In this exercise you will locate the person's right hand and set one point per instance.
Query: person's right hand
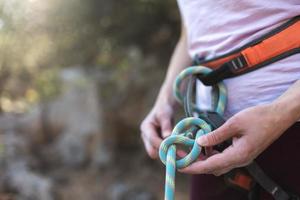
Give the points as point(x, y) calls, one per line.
point(157, 125)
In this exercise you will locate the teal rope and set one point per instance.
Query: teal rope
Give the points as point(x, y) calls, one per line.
point(183, 132)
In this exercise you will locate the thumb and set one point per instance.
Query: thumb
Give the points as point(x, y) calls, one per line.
point(217, 136)
point(166, 127)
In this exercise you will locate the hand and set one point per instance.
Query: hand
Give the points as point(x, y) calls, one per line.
point(252, 131)
point(157, 125)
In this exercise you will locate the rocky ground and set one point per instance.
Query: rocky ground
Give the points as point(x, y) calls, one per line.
point(78, 147)
point(132, 177)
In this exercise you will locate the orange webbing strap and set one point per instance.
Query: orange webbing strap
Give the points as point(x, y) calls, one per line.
point(240, 179)
point(282, 42)
point(214, 64)
point(271, 47)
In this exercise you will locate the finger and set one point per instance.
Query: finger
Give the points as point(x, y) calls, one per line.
point(181, 153)
point(151, 151)
point(202, 157)
point(208, 151)
point(221, 172)
point(151, 135)
point(217, 162)
point(166, 127)
point(226, 131)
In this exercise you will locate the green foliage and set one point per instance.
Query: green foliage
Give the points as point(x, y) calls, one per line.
point(48, 84)
point(36, 36)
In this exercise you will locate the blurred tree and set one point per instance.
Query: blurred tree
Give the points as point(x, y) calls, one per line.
point(39, 37)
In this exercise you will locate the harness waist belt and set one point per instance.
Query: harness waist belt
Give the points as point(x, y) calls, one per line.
point(271, 47)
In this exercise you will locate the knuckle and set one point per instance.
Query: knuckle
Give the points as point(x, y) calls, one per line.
point(167, 121)
point(243, 156)
point(152, 153)
point(234, 123)
point(205, 170)
point(221, 172)
point(148, 120)
point(162, 114)
point(226, 165)
point(145, 126)
point(212, 138)
point(240, 157)
point(246, 151)
point(217, 173)
point(142, 125)
point(152, 141)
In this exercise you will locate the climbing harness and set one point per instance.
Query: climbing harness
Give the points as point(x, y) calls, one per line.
point(273, 46)
point(278, 44)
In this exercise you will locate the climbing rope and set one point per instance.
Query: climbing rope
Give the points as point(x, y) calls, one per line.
point(188, 129)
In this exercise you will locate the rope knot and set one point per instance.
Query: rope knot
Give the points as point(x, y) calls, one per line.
point(183, 134)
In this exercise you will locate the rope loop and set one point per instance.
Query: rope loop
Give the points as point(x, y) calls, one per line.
point(183, 134)
point(219, 92)
point(188, 129)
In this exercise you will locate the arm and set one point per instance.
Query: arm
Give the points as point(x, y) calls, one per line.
point(179, 60)
point(252, 130)
point(161, 115)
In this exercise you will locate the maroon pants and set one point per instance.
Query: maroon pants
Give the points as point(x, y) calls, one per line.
point(281, 162)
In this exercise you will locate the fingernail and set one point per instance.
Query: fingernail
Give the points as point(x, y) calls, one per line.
point(166, 134)
point(202, 141)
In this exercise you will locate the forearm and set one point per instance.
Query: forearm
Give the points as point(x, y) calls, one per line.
point(287, 106)
point(180, 59)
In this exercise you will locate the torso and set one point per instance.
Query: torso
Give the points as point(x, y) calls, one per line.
point(219, 26)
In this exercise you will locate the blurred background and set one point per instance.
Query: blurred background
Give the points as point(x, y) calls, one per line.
point(76, 79)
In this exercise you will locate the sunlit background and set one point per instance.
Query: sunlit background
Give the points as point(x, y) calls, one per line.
point(76, 79)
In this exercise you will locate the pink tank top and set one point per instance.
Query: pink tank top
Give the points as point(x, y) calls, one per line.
point(215, 27)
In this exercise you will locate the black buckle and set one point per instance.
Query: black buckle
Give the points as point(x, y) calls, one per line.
point(237, 63)
point(215, 120)
point(216, 75)
point(227, 70)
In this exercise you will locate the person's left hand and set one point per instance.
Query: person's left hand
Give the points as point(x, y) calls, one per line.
point(252, 131)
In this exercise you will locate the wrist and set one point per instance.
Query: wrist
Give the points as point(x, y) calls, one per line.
point(285, 112)
point(166, 95)
point(288, 104)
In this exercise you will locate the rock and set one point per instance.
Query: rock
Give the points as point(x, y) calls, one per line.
point(27, 184)
point(15, 149)
point(16, 173)
point(8, 122)
point(70, 128)
point(118, 190)
point(121, 191)
point(72, 149)
point(66, 130)
point(83, 125)
point(78, 114)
